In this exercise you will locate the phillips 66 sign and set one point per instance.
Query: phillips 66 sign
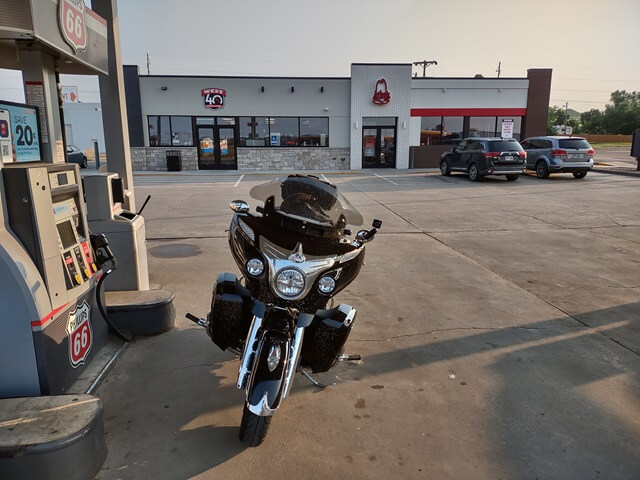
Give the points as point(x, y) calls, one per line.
point(80, 334)
point(72, 24)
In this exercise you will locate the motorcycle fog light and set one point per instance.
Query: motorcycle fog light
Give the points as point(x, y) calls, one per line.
point(326, 284)
point(255, 267)
point(273, 359)
point(290, 283)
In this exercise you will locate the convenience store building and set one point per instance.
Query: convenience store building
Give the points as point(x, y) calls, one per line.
point(379, 117)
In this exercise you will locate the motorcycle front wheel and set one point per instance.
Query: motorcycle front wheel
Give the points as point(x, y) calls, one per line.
point(253, 428)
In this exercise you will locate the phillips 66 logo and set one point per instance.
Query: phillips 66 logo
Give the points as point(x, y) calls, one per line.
point(80, 334)
point(214, 98)
point(72, 25)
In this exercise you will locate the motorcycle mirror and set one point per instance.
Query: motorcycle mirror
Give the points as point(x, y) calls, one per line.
point(239, 206)
point(361, 236)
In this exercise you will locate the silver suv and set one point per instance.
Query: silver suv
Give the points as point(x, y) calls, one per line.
point(546, 155)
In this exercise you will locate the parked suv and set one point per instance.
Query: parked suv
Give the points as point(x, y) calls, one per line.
point(558, 154)
point(477, 157)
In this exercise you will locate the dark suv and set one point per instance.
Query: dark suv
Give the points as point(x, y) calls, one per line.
point(559, 155)
point(478, 157)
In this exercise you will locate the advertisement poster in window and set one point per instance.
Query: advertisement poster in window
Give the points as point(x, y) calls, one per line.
point(206, 145)
point(370, 146)
point(507, 128)
point(275, 139)
point(224, 147)
point(6, 149)
point(23, 125)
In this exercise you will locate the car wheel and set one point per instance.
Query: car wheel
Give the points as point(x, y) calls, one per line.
point(512, 178)
point(84, 163)
point(474, 174)
point(541, 169)
point(444, 168)
point(579, 174)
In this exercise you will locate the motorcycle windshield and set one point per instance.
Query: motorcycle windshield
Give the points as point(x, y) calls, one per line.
point(309, 199)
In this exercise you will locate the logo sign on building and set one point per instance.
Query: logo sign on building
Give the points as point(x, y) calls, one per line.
point(80, 334)
point(381, 95)
point(69, 94)
point(213, 98)
point(507, 128)
point(71, 20)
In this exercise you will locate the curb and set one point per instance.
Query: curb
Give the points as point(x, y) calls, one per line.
point(628, 173)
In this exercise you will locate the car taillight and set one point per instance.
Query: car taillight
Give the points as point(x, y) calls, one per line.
point(523, 154)
point(591, 152)
point(491, 154)
point(559, 153)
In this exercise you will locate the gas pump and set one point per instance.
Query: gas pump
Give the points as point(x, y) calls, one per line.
point(51, 326)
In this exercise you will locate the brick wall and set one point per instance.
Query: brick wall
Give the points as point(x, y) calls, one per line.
point(155, 158)
point(252, 159)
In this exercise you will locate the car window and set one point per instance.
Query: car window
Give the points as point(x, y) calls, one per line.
point(504, 146)
point(526, 144)
point(460, 146)
point(546, 144)
point(473, 145)
point(574, 143)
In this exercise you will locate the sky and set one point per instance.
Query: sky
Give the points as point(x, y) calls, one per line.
point(590, 45)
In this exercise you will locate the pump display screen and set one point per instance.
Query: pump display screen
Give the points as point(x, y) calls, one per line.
point(62, 179)
point(65, 230)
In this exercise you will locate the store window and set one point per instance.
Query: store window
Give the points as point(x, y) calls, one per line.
point(482, 126)
point(166, 131)
point(283, 131)
point(314, 132)
point(181, 132)
point(452, 130)
point(254, 131)
point(430, 130)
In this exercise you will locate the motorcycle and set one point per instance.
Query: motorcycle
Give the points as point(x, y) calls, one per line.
point(295, 254)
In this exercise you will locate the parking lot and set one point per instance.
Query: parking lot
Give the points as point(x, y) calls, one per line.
point(499, 325)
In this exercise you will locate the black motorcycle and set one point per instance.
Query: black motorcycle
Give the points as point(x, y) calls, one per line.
point(295, 254)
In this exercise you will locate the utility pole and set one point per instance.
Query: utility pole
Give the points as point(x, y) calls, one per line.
point(148, 65)
point(498, 69)
point(425, 64)
point(566, 116)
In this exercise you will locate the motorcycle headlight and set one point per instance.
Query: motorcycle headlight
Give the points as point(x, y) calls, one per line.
point(255, 267)
point(326, 284)
point(290, 283)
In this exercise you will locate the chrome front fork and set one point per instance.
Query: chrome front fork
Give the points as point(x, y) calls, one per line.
point(249, 354)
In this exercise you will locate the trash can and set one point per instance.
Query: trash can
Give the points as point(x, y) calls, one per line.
point(174, 161)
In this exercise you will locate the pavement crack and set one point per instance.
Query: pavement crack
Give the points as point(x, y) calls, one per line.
point(439, 330)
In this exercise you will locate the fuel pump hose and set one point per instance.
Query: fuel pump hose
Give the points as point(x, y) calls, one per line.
point(103, 310)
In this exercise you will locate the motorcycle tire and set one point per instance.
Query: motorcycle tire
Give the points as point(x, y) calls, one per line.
point(253, 428)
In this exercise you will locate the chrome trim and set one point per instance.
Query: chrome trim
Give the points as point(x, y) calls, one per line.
point(247, 229)
point(294, 357)
point(350, 313)
point(508, 172)
point(262, 408)
point(278, 259)
point(248, 353)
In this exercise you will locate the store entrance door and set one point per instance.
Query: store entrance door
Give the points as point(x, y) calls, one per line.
point(379, 147)
point(216, 148)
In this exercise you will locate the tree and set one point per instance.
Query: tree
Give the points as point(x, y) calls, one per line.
point(622, 115)
point(591, 121)
point(557, 116)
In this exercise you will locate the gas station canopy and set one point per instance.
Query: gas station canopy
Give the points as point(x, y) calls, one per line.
point(77, 40)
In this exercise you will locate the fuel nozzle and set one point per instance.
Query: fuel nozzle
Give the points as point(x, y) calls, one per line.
point(104, 254)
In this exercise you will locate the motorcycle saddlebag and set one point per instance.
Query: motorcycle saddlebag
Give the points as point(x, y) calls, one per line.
point(230, 315)
point(324, 339)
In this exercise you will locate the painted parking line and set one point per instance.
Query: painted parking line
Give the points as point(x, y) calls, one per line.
point(385, 178)
point(239, 180)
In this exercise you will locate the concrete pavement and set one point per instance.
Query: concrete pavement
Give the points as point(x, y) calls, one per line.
point(499, 325)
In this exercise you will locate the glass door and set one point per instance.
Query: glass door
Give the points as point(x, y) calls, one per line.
point(379, 147)
point(206, 150)
point(216, 147)
point(227, 148)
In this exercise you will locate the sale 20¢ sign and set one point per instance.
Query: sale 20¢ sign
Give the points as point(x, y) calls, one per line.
point(72, 24)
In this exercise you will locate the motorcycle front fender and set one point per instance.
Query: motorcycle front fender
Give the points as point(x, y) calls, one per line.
point(266, 386)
